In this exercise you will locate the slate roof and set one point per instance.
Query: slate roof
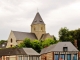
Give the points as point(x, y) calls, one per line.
point(23, 35)
point(18, 51)
point(38, 19)
point(59, 47)
point(11, 51)
point(47, 49)
point(30, 51)
point(44, 36)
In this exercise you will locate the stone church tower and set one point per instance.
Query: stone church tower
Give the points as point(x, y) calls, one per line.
point(38, 26)
point(38, 32)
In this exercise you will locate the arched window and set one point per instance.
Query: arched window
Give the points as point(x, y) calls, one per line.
point(11, 40)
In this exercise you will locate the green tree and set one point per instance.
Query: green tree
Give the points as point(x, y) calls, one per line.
point(63, 34)
point(21, 45)
point(47, 42)
point(25, 43)
point(2, 41)
point(77, 37)
point(36, 45)
point(77, 34)
point(66, 35)
point(72, 36)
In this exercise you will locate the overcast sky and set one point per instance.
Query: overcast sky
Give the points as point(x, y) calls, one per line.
point(18, 15)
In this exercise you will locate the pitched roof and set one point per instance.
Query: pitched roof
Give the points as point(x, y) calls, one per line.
point(46, 35)
point(23, 35)
point(18, 51)
point(11, 51)
point(59, 47)
point(38, 19)
point(47, 49)
point(30, 51)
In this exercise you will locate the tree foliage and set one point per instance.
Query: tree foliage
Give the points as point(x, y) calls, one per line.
point(66, 35)
point(47, 42)
point(37, 44)
point(63, 34)
point(25, 43)
point(2, 41)
point(70, 35)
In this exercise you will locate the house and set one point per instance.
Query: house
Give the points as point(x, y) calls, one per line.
point(60, 51)
point(38, 31)
point(19, 54)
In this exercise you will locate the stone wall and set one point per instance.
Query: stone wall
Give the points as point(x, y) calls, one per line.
point(13, 43)
point(38, 29)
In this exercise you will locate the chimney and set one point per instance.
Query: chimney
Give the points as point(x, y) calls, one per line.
point(75, 43)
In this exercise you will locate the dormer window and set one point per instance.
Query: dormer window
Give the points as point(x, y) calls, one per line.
point(65, 49)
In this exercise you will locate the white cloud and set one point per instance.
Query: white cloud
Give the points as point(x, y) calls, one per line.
point(18, 15)
point(64, 14)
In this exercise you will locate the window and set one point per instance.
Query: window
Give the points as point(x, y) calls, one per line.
point(11, 40)
point(56, 57)
point(75, 57)
point(34, 58)
point(25, 57)
point(68, 56)
point(62, 57)
point(31, 58)
point(65, 49)
point(20, 57)
point(37, 58)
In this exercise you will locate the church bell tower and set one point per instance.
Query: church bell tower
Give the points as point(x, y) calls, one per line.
point(38, 26)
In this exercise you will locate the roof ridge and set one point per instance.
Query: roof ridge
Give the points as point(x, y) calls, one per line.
point(20, 31)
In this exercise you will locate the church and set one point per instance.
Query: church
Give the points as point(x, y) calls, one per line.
point(38, 32)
